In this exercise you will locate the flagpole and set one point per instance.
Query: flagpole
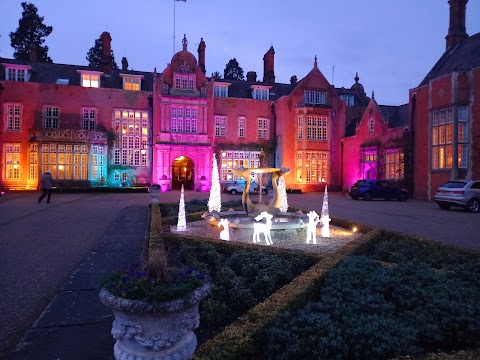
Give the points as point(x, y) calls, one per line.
point(174, 1)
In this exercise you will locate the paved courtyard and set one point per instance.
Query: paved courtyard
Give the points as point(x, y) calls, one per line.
point(42, 246)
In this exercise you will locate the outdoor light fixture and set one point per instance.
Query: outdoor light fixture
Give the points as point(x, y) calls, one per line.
point(354, 229)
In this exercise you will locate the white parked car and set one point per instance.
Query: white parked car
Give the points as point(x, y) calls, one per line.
point(237, 188)
point(462, 193)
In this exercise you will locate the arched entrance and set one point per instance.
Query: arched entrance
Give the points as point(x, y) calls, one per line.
point(182, 173)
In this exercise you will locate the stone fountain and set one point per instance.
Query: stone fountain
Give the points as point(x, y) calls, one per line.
point(284, 225)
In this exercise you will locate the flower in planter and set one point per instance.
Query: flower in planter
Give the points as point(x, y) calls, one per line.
point(155, 309)
point(153, 282)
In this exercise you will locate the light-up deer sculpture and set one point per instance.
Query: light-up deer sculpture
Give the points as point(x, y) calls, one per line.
point(224, 234)
point(263, 228)
point(312, 227)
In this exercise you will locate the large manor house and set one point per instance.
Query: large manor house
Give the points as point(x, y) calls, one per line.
point(119, 127)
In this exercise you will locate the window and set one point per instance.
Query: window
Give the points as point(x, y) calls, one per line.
point(300, 128)
point(12, 161)
point(65, 161)
point(220, 91)
point(241, 127)
point(220, 125)
point(184, 81)
point(315, 97)
point(16, 75)
point(191, 119)
point(51, 116)
point(369, 155)
point(89, 118)
point(132, 83)
point(33, 160)
point(316, 127)
point(349, 99)
point(234, 159)
point(261, 94)
point(462, 136)
point(16, 72)
point(263, 128)
point(394, 164)
point(299, 166)
point(131, 145)
point(90, 79)
point(13, 113)
point(97, 162)
point(442, 138)
point(371, 124)
point(315, 164)
point(184, 119)
point(164, 91)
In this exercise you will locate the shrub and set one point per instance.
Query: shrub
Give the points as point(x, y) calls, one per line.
point(406, 298)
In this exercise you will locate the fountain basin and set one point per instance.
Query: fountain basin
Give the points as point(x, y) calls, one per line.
point(285, 226)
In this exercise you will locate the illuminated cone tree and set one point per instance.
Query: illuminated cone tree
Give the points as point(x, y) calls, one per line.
point(215, 200)
point(182, 222)
point(282, 191)
point(325, 218)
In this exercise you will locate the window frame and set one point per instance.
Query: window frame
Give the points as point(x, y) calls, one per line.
point(263, 128)
point(51, 117)
point(13, 116)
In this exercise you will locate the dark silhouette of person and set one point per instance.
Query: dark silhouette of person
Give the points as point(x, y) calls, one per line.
point(46, 184)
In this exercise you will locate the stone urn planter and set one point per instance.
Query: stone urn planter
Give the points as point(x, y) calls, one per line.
point(154, 192)
point(155, 331)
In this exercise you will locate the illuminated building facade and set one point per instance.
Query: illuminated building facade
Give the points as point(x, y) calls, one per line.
point(117, 127)
point(445, 112)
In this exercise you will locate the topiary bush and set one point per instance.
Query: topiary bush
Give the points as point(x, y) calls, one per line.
point(407, 297)
point(240, 279)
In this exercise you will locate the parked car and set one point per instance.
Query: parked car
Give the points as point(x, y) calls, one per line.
point(371, 189)
point(237, 188)
point(462, 193)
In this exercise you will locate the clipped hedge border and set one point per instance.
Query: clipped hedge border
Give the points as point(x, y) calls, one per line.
point(247, 335)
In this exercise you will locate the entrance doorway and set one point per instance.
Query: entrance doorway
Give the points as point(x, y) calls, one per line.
point(182, 173)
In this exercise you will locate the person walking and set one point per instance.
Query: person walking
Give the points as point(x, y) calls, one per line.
point(46, 184)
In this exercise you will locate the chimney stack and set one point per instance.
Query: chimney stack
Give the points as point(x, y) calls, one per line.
point(201, 55)
point(106, 61)
point(293, 80)
point(124, 64)
point(456, 31)
point(268, 65)
point(33, 52)
point(251, 76)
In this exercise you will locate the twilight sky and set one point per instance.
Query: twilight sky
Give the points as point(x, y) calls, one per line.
point(391, 43)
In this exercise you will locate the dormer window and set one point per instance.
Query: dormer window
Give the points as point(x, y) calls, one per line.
point(260, 92)
point(185, 81)
point(132, 82)
point(220, 90)
point(14, 72)
point(165, 89)
point(349, 99)
point(315, 97)
point(90, 78)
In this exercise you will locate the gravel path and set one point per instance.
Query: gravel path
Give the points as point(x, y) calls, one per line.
point(338, 238)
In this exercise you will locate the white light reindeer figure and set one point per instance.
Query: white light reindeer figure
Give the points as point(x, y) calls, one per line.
point(224, 234)
point(263, 228)
point(312, 227)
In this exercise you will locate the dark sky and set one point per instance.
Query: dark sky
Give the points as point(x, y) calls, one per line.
point(391, 43)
